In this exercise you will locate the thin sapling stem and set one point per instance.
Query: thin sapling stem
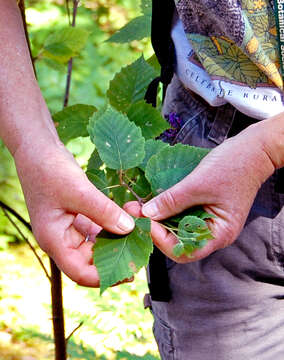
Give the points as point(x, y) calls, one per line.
point(129, 188)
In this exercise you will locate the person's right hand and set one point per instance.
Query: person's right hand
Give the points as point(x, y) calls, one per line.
point(65, 207)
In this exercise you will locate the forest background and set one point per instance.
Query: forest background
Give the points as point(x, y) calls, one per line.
point(114, 326)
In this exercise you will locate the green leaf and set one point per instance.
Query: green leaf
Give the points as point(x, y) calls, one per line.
point(193, 234)
point(72, 121)
point(153, 61)
point(146, 7)
point(142, 187)
point(152, 147)
point(95, 162)
point(192, 224)
point(148, 119)
point(190, 229)
point(98, 178)
point(96, 175)
point(178, 249)
point(135, 179)
point(194, 211)
point(130, 84)
point(120, 257)
point(54, 65)
point(171, 165)
point(64, 44)
point(118, 141)
point(118, 193)
point(136, 29)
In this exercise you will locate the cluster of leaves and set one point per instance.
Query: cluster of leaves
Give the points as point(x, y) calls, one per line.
point(143, 168)
point(95, 59)
point(129, 164)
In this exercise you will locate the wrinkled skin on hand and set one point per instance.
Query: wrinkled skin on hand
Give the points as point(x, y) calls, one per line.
point(64, 208)
point(225, 182)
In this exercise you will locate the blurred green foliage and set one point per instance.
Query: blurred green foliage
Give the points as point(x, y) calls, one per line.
point(93, 67)
point(10, 194)
point(117, 322)
point(97, 62)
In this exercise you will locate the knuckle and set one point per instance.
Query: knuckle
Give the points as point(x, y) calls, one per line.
point(108, 210)
point(168, 200)
point(82, 192)
point(227, 236)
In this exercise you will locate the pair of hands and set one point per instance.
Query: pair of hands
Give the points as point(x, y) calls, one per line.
point(65, 207)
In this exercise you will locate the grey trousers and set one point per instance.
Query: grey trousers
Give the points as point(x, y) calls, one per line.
point(230, 305)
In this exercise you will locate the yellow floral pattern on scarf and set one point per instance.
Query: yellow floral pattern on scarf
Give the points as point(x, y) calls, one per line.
point(255, 60)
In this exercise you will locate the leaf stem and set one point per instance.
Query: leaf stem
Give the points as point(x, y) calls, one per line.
point(171, 231)
point(174, 231)
point(129, 188)
point(111, 187)
point(170, 228)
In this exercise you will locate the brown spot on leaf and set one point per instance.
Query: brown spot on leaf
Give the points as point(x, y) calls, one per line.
point(132, 266)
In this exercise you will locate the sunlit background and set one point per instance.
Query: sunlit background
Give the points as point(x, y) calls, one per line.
point(115, 326)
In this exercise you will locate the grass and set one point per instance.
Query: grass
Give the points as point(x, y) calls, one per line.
point(115, 325)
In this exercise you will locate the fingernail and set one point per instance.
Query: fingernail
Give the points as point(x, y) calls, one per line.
point(150, 209)
point(125, 223)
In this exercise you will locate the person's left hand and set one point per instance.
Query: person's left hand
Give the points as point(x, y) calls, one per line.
point(225, 183)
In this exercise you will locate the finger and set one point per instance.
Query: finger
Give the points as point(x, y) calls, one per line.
point(86, 227)
point(133, 208)
point(74, 257)
point(166, 241)
point(67, 247)
point(92, 203)
point(163, 239)
point(179, 197)
point(77, 265)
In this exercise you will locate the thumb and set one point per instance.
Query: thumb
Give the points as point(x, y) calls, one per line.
point(91, 202)
point(183, 195)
